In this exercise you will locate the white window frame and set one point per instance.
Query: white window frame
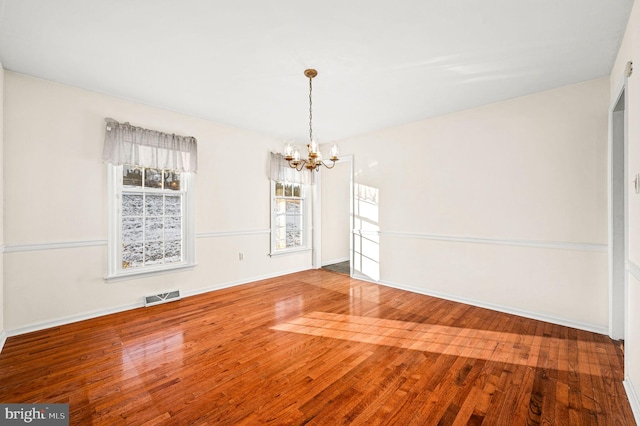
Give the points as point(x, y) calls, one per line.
point(114, 242)
point(306, 220)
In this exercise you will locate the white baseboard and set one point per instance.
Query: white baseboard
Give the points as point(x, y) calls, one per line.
point(508, 310)
point(95, 314)
point(3, 339)
point(71, 319)
point(634, 400)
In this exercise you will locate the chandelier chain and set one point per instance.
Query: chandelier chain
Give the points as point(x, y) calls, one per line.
point(310, 111)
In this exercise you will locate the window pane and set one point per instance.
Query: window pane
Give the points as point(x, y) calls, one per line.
point(153, 229)
point(281, 233)
point(294, 223)
point(294, 206)
point(153, 178)
point(294, 239)
point(131, 176)
point(172, 228)
point(132, 255)
point(132, 229)
point(153, 205)
point(280, 205)
point(281, 221)
point(288, 190)
point(172, 180)
point(281, 241)
point(132, 204)
point(153, 253)
point(172, 205)
point(172, 251)
point(296, 190)
point(279, 189)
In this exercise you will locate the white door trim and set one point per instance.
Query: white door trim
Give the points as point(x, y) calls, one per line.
point(618, 231)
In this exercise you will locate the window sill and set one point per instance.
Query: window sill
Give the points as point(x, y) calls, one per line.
point(288, 252)
point(123, 276)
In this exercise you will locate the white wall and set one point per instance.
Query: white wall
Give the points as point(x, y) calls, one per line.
point(55, 192)
point(335, 221)
point(502, 206)
point(629, 50)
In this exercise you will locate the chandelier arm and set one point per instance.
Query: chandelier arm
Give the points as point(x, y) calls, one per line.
point(295, 165)
point(329, 167)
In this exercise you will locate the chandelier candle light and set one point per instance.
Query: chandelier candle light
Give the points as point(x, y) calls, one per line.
point(314, 157)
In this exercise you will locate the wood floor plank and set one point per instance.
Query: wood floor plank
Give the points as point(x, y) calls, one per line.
point(318, 348)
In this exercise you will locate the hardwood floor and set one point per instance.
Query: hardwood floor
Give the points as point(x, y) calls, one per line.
point(318, 348)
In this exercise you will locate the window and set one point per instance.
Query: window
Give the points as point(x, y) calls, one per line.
point(289, 217)
point(152, 226)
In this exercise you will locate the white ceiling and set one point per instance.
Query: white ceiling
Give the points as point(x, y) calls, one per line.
point(380, 62)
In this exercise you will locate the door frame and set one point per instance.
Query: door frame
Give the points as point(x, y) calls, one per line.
point(618, 220)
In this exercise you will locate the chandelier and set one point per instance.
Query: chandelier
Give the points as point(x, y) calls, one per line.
point(314, 157)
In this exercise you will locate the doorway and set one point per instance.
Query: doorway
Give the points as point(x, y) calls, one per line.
point(335, 217)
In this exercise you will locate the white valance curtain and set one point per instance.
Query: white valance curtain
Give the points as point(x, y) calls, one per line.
point(281, 172)
point(127, 144)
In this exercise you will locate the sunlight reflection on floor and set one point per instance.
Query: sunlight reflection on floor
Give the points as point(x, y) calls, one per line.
point(465, 342)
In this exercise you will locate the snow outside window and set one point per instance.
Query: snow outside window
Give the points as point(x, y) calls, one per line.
point(151, 227)
point(289, 217)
